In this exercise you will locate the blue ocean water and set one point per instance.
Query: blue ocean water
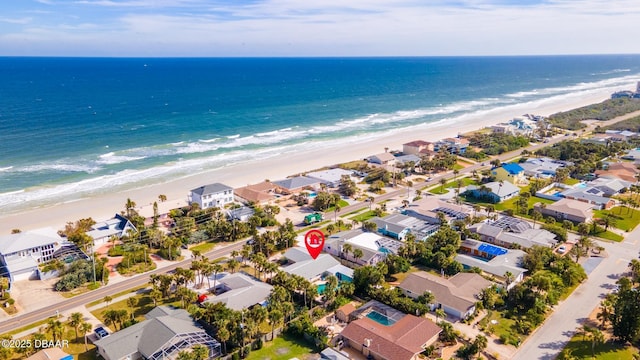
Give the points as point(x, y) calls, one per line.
point(72, 126)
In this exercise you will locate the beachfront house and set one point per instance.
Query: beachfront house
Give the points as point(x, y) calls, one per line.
point(510, 172)
point(261, 193)
point(493, 192)
point(21, 253)
point(212, 195)
point(384, 333)
point(567, 209)
point(384, 158)
point(118, 226)
point(296, 184)
point(456, 295)
point(415, 147)
point(165, 333)
point(453, 145)
point(331, 177)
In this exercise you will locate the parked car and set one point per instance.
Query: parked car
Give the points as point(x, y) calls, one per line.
point(562, 249)
point(101, 332)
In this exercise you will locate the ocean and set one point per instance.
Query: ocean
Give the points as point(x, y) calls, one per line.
point(76, 127)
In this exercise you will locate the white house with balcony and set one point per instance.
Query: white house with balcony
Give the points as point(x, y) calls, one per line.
point(212, 195)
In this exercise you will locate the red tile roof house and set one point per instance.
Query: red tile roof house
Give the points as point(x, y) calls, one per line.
point(415, 147)
point(403, 339)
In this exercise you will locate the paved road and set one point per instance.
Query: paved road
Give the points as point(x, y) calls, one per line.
point(48, 311)
point(558, 329)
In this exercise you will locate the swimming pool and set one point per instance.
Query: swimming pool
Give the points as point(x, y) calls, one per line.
point(380, 318)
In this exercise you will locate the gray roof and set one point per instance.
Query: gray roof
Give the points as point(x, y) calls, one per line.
point(590, 194)
point(332, 354)
point(529, 237)
point(296, 254)
point(150, 335)
point(114, 226)
point(243, 292)
point(609, 185)
point(397, 222)
point(507, 188)
point(28, 240)
point(486, 229)
point(296, 182)
point(311, 268)
point(211, 189)
point(407, 158)
point(330, 176)
point(458, 292)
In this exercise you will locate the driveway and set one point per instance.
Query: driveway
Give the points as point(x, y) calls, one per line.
point(558, 329)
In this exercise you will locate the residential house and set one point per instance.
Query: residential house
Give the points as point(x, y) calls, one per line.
point(21, 253)
point(239, 291)
point(621, 170)
point(598, 139)
point(633, 154)
point(242, 213)
point(212, 195)
point(542, 167)
point(374, 247)
point(331, 177)
point(384, 158)
point(118, 226)
point(51, 353)
point(427, 209)
point(333, 354)
point(344, 312)
point(398, 226)
point(590, 195)
point(407, 159)
point(383, 333)
point(493, 192)
point(503, 129)
point(302, 264)
point(415, 147)
point(261, 193)
point(492, 259)
point(567, 209)
point(510, 172)
point(164, 333)
point(453, 145)
point(456, 295)
point(502, 235)
point(610, 186)
point(621, 135)
point(296, 184)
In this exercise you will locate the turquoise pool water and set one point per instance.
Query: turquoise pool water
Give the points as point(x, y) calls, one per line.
point(321, 288)
point(380, 319)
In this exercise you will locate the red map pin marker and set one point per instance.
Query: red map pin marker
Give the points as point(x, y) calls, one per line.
point(314, 240)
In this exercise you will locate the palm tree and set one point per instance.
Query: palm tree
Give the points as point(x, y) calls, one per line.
point(85, 328)
point(56, 328)
point(346, 249)
point(75, 320)
point(107, 299)
point(480, 343)
point(223, 336)
point(199, 352)
point(536, 215)
point(357, 254)
point(131, 303)
point(275, 317)
point(508, 278)
point(129, 206)
point(606, 311)
point(440, 314)
point(442, 181)
point(370, 199)
point(216, 269)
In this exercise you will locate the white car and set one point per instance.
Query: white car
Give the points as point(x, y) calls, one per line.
point(562, 249)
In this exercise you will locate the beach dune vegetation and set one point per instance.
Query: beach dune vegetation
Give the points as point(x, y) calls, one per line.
point(606, 110)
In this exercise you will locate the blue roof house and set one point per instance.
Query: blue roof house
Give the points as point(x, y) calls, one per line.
point(510, 172)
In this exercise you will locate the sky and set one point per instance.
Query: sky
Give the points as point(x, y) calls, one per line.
point(218, 28)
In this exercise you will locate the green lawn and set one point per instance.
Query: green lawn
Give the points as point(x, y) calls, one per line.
point(626, 218)
point(457, 167)
point(282, 348)
point(204, 247)
point(366, 216)
point(609, 236)
point(145, 304)
point(503, 327)
point(571, 181)
point(341, 203)
point(607, 351)
point(511, 203)
point(466, 181)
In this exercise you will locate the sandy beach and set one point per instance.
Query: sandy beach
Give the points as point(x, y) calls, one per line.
point(105, 206)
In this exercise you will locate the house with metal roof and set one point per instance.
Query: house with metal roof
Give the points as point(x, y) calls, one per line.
point(302, 264)
point(491, 233)
point(374, 246)
point(492, 259)
point(118, 226)
point(542, 167)
point(164, 333)
point(241, 214)
point(510, 172)
point(427, 209)
point(330, 177)
point(383, 333)
point(239, 291)
point(212, 195)
point(456, 295)
point(590, 195)
point(609, 186)
point(21, 253)
point(398, 226)
point(493, 192)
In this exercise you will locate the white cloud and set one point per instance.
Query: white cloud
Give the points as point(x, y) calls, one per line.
point(338, 27)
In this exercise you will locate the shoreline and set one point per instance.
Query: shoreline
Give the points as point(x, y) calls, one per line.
point(104, 206)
